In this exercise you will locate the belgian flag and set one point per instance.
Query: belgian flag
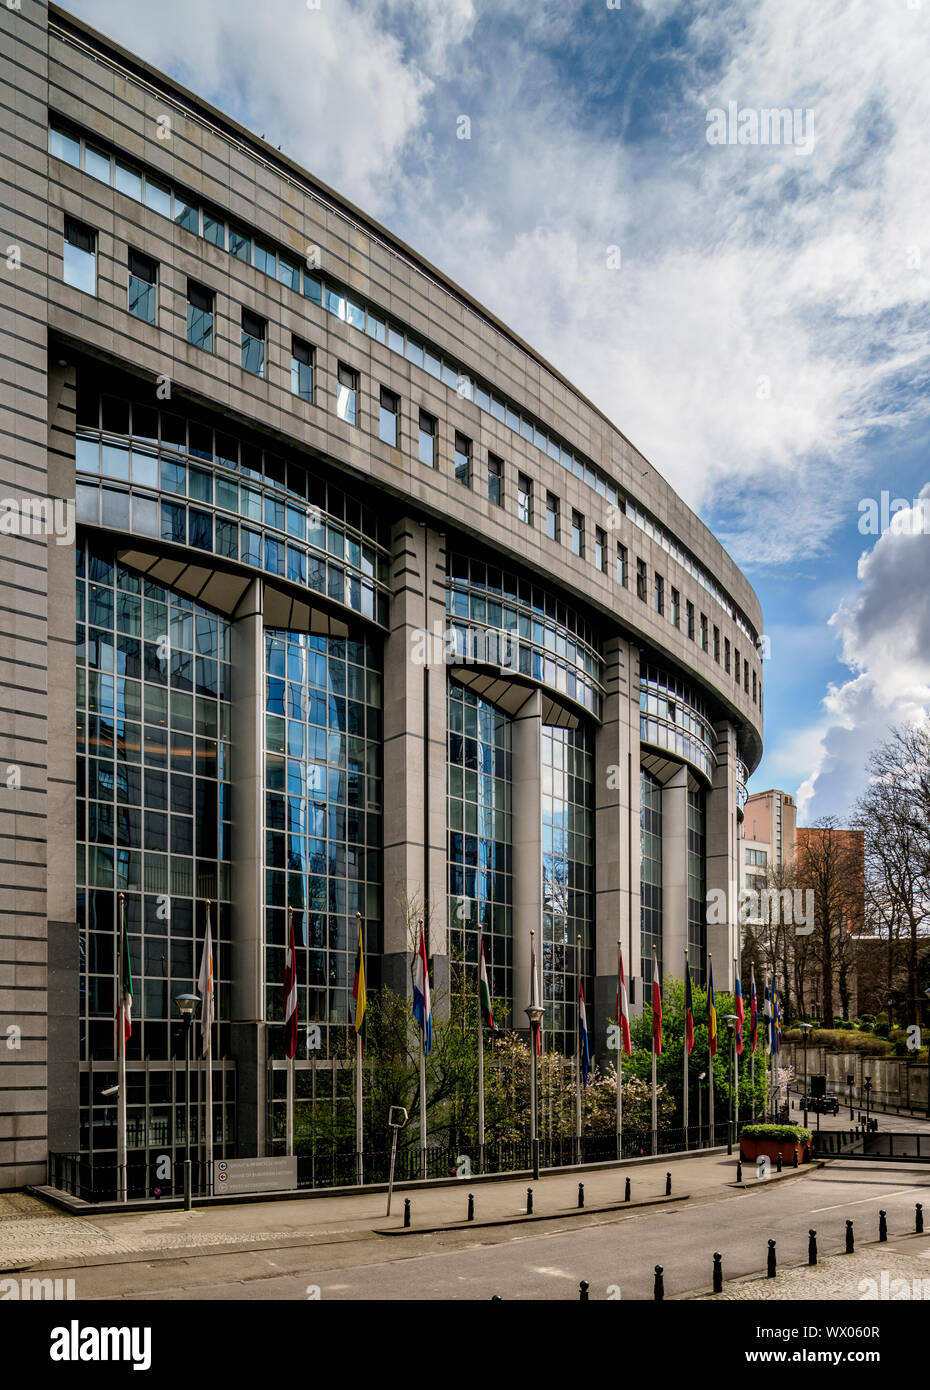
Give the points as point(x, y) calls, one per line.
point(358, 988)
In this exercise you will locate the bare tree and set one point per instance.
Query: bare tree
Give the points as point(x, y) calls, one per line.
point(829, 862)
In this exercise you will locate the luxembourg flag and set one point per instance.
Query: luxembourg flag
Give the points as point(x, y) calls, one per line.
point(740, 1016)
point(422, 1011)
point(584, 1051)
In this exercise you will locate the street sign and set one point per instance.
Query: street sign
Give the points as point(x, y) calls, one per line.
point(254, 1174)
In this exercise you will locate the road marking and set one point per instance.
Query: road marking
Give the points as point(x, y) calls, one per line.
point(879, 1197)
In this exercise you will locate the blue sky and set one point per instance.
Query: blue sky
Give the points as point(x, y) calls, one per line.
point(764, 340)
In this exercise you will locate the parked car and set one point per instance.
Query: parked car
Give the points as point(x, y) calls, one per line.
point(826, 1105)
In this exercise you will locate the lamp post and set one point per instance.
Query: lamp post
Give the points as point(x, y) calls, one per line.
point(187, 1008)
point(701, 1079)
point(805, 1030)
point(731, 1021)
point(534, 1013)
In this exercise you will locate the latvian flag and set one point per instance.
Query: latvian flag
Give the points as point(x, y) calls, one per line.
point(656, 1006)
point(124, 1006)
point(422, 1010)
point(584, 1051)
point(289, 994)
point(740, 1015)
point(484, 990)
point(623, 1006)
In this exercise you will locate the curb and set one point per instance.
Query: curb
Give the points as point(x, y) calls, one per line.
point(760, 1183)
point(521, 1219)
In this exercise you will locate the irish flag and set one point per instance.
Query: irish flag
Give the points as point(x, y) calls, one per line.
point(484, 990)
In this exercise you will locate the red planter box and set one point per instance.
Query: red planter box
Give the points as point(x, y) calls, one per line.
point(752, 1149)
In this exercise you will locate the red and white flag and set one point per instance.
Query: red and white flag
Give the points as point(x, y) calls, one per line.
point(623, 1006)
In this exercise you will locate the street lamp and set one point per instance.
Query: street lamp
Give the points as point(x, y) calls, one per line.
point(731, 1021)
point(187, 1008)
point(805, 1030)
point(534, 1013)
point(701, 1078)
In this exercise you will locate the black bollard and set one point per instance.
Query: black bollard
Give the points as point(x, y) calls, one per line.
point(626, 1193)
point(778, 1164)
point(882, 1226)
point(668, 1184)
point(739, 1170)
point(795, 1162)
point(471, 1206)
point(771, 1260)
point(406, 1211)
point(850, 1241)
point(812, 1247)
point(496, 1298)
point(583, 1291)
point(919, 1223)
point(658, 1288)
point(718, 1273)
point(581, 1194)
point(529, 1201)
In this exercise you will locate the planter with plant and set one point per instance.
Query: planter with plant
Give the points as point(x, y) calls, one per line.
point(768, 1141)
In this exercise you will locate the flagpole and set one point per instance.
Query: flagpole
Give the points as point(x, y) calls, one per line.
point(422, 1081)
point(578, 1158)
point(359, 1125)
point(655, 1108)
point(736, 1049)
point(684, 1107)
point(480, 1064)
point(121, 1056)
point(209, 1065)
point(289, 1117)
point(619, 1053)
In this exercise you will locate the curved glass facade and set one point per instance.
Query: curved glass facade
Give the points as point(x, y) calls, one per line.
point(480, 827)
point(153, 821)
point(167, 476)
point(650, 870)
point(517, 624)
point(568, 881)
point(673, 717)
point(697, 884)
point(323, 834)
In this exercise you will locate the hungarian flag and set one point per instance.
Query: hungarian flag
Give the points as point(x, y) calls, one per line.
point(689, 1010)
point(623, 1006)
point(205, 986)
point(124, 1006)
point(656, 1007)
point(740, 1015)
point(584, 1051)
point(422, 1010)
point(289, 994)
point(753, 1012)
point(711, 1010)
point(484, 989)
point(358, 988)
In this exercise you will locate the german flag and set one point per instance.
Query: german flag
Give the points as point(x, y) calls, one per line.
point(358, 987)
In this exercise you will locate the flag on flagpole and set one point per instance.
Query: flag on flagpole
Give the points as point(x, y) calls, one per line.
point(535, 1001)
point(711, 1010)
point(124, 1006)
point(623, 1006)
point(776, 1020)
point(289, 994)
point(484, 989)
point(358, 989)
point(767, 1017)
point(656, 1006)
point(689, 1010)
point(740, 1015)
point(422, 1010)
point(205, 988)
point(584, 1051)
point(753, 1012)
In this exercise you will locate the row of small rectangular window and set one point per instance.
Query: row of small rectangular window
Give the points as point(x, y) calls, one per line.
point(143, 187)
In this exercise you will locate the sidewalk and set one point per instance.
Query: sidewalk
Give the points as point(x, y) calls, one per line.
point(898, 1269)
point(32, 1231)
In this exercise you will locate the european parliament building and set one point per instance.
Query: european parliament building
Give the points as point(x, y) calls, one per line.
point(319, 589)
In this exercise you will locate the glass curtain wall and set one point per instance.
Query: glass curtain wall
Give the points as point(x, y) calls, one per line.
point(568, 882)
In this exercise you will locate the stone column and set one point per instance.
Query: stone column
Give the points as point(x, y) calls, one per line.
point(247, 1002)
point(415, 879)
point(675, 873)
point(616, 832)
point(722, 860)
point(527, 852)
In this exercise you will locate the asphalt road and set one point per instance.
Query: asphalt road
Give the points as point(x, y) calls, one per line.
point(547, 1261)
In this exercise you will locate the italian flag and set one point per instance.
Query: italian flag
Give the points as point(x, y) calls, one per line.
point(484, 991)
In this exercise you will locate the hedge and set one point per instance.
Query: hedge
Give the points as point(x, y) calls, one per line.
point(797, 1132)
